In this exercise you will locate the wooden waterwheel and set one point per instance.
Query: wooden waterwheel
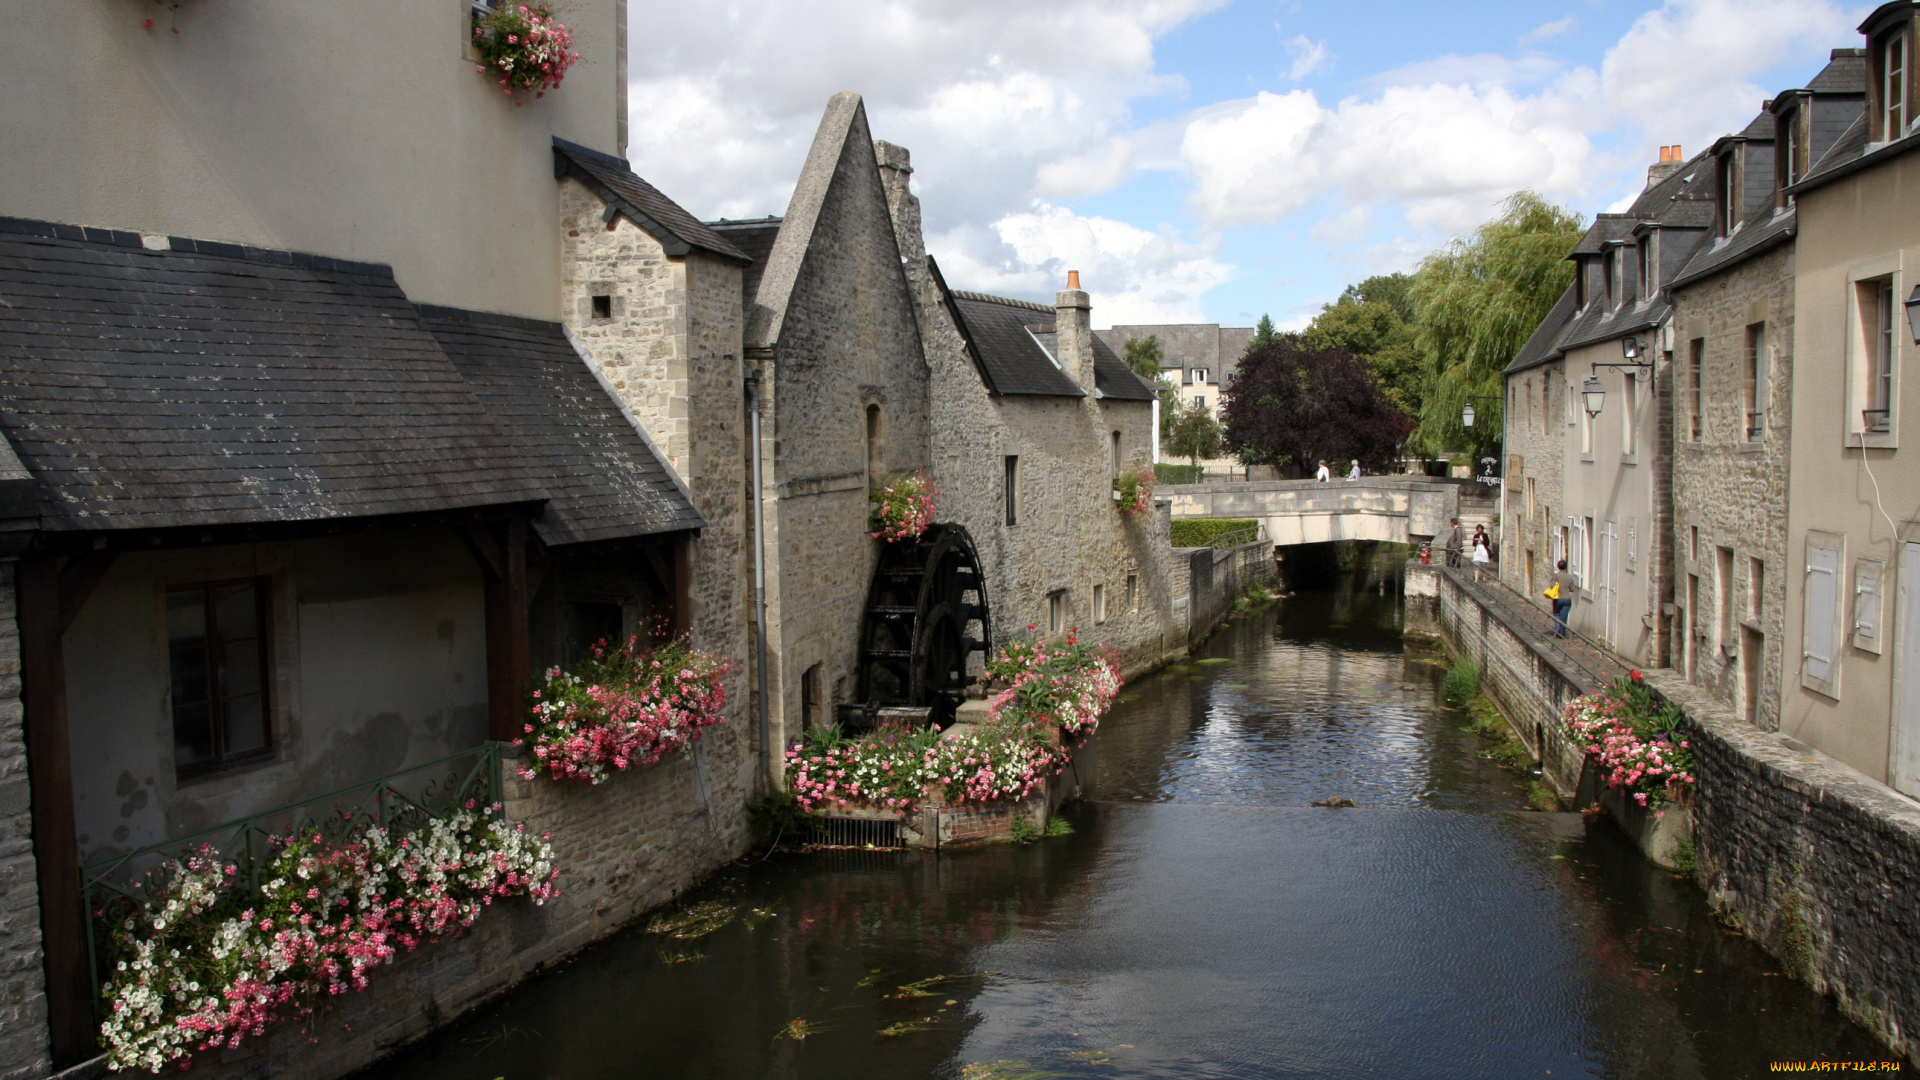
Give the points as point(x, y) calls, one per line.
point(925, 623)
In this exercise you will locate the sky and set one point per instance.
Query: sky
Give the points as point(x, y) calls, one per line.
point(1207, 160)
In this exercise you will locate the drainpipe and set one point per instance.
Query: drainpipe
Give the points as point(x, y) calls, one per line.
point(759, 575)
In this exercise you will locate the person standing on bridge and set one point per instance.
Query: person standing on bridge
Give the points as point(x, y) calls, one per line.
point(1562, 603)
point(1354, 473)
point(1456, 540)
point(1482, 551)
point(1323, 474)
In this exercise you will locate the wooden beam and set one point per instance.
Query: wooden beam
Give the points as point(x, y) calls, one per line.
point(486, 550)
point(43, 614)
point(508, 636)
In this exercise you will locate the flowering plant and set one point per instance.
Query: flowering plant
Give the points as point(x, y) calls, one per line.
point(1133, 491)
point(1635, 741)
point(902, 507)
point(524, 47)
point(622, 707)
point(1055, 689)
point(204, 961)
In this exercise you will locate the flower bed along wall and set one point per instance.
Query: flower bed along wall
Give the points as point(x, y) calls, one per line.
point(1634, 741)
point(622, 707)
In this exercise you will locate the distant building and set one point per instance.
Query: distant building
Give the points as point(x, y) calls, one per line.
point(1199, 358)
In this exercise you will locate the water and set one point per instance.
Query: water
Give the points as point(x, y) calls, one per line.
point(1203, 920)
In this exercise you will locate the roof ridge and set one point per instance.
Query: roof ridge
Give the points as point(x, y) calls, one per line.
point(1007, 300)
point(488, 318)
point(736, 223)
point(88, 234)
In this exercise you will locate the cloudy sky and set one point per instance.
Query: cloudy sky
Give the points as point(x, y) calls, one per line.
point(1207, 160)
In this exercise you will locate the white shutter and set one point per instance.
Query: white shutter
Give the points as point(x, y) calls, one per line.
point(1867, 576)
point(1823, 612)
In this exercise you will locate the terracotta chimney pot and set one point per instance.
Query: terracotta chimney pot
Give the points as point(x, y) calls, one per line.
point(1073, 279)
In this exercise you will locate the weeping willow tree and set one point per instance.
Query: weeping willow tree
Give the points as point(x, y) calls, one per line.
point(1476, 301)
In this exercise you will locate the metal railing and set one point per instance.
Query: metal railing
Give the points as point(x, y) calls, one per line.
point(1588, 658)
point(113, 887)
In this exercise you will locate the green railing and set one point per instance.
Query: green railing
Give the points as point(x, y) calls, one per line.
point(398, 802)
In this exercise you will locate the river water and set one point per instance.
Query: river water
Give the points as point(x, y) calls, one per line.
point(1202, 920)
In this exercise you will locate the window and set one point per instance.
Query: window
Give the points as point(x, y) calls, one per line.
point(1133, 593)
point(591, 622)
point(1571, 403)
point(1723, 595)
point(1202, 375)
point(1756, 586)
point(1057, 612)
point(1893, 85)
point(217, 657)
point(1649, 266)
point(603, 307)
point(1754, 374)
point(1867, 578)
point(1529, 489)
point(1576, 548)
point(1586, 433)
point(1580, 284)
point(1693, 543)
point(1116, 453)
point(1609, 278)
point(1200, 401)
point(875, 463)
point(1633, 543)
point(1729, 197)
point(813, 707)
point(1099, 603)
point(1819, 670)
point(1696, 375)
point(1791, 166)
point(1630, 414)
point(1011, 489)
point(1877, 415)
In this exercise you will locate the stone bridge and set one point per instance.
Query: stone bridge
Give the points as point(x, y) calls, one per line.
point(1402, 509)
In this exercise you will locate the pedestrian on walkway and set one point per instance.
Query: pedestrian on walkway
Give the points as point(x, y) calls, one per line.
point(1323, 474)
point(1456, 540)
point(1354, 473)
point(1482, 552)
point(1563, 603)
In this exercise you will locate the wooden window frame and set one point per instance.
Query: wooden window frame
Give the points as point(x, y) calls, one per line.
point(221, 762)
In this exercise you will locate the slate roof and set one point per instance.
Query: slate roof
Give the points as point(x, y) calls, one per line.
point(1752, 238)
point(199, 387)
point(603, 478)
point(1842, 78)
point(755, 240)
point(613, 180)
point(1117, 381)
point(1849, 155)
point(1014, 361)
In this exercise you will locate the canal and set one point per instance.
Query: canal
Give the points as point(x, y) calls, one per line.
point(1203, 919)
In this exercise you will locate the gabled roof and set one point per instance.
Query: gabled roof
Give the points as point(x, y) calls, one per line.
point(1015, 362)
point(1115, 380)
point(204, 386)
point(613, 180)
point(603, 478)
point(1845, 73)
point(1851, 153)
point(1752, 238)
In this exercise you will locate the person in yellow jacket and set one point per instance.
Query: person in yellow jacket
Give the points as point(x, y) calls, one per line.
point(1561, 593)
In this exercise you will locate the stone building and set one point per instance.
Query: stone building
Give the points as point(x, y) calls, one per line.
point(1200, 358)
point(1586, 408)
point(1733, 333)
point(1852, 619)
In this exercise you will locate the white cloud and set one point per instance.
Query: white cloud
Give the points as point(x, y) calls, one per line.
point(1133, 275)
point(1545, 31)
point(1308, 57)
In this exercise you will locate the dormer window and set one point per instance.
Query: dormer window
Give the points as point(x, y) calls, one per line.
point(1610, 273)
point(1580, 284)
point(1792, 142)
point(1728, 196)
point(1649, 265)
point(1893, 85)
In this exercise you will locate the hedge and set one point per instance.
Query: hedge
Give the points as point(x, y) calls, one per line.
point(1210, 532)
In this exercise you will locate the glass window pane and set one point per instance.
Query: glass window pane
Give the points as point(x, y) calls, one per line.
point(187, 618)
point(245, 726)
point(239, 668)
point(192, 736)
point(189, 677)
point(235, 610)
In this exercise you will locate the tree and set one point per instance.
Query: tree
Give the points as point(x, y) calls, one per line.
point(1143, 356)
point(1372, 320)
point(1195, 435)
point(1476, 302)
point(1295, 404)
point(1263, 334)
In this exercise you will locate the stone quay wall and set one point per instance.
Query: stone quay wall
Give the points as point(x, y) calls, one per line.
point(1217, 577)
point(625, 846)
point(1812, 859)
point(24, 1049)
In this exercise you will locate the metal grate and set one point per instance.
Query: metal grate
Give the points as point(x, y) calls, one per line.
point(844, 832)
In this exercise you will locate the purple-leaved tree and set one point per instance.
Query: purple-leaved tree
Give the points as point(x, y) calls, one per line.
point(1292, 404)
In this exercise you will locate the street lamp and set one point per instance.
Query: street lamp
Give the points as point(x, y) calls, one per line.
point(1913, 314)
point(1467, 414)
point(1630, 348)
point(1594, 394)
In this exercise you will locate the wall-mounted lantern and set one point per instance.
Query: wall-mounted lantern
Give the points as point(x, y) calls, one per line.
point(1630, 348)
point(1594, 394)
point(1467, 413)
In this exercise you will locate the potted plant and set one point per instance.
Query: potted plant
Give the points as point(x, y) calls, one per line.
point(523, 47)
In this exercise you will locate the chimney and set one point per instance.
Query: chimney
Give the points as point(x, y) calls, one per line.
point(1073, 325)
point(1670, 162)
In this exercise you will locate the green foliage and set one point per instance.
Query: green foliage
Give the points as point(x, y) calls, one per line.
point(1059, 826)
point(1685, 856)
point(1263, 334)
point(1462, 683)
point(1542, 798)
point(1176, 474)
point(1143, 356)
point(1209, 532)
point(1476, 302)
point(1374, 321)
point(1024, 831)
point(778, 815)
point(1196, 434)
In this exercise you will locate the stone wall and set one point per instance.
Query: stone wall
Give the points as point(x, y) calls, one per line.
point(24, 1050)
point(1730, 493)
point(1217, 578)
point(1812, 859)
point(1069, 539)
point(627, 845)
point(1535, 446)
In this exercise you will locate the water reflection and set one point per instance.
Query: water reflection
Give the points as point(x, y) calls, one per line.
point(1203, 920)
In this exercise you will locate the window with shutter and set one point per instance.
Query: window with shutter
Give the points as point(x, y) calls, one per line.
point(1820, 669)
point(1867, 576)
